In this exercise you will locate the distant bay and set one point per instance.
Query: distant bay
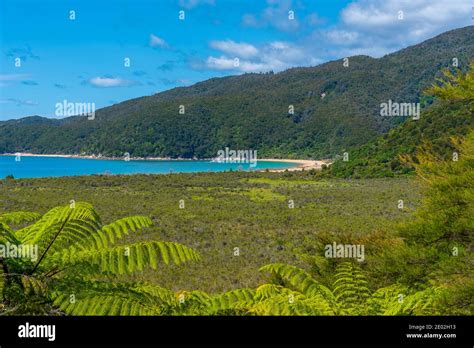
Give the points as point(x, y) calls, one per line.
point(50, 166)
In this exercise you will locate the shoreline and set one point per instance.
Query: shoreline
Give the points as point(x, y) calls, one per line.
point(28, 154)
point(301, 163)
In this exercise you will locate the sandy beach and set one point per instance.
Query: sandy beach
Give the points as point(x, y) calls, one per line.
point(302, 164)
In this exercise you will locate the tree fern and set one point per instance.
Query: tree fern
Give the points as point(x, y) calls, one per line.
point(18, 217)
point(79, 262)
point(298, 279)
point(107, 298)
point(34, 285)
point(233, 302)
point(295, 292)
point(399, 300)
point(129, 258)
point(350, 287)
point(192, 303)
point(122, 227)
point(298, 304)
point(7, 235)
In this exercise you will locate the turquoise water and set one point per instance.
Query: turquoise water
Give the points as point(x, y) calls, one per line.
point(40, 167)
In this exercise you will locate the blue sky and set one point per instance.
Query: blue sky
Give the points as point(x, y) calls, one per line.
point(82, 60)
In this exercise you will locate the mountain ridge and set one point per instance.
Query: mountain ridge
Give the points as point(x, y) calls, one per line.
point(335, 108)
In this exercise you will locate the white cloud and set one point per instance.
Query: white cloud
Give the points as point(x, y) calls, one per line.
point(279, 45)
point(242, 50)
point(422, 19)
point(365, 27)
point(275, 56)
point(110, 82)
point(226, 63)
point(157, 41)
point(220, 63)
point(373, 27)
point(372, 14)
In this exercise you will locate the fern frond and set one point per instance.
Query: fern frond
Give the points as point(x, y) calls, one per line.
point(7, 235)
point(61, 226)
point(128, 258)
point(398, 300)
point(267, 291)
point(298, 279)
point(293, 304)
point(350, 286)
point(319, 264)
point(110, 233)
point(35, 286)
point(115, 303)
point(166, 296)
point(232, 302)
point(194, 302)
point(76, 297)
point(18, 217)
point(419, 303)
point(274, 299)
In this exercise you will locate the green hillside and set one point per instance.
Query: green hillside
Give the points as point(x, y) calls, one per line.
point(451, 116)
point(251, 111)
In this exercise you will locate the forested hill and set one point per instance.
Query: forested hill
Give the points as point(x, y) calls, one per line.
point(335, 108)
point(439, 130)
point(436, 127)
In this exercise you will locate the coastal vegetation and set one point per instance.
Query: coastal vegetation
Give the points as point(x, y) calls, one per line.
point(223, 211)
point(422, 267)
